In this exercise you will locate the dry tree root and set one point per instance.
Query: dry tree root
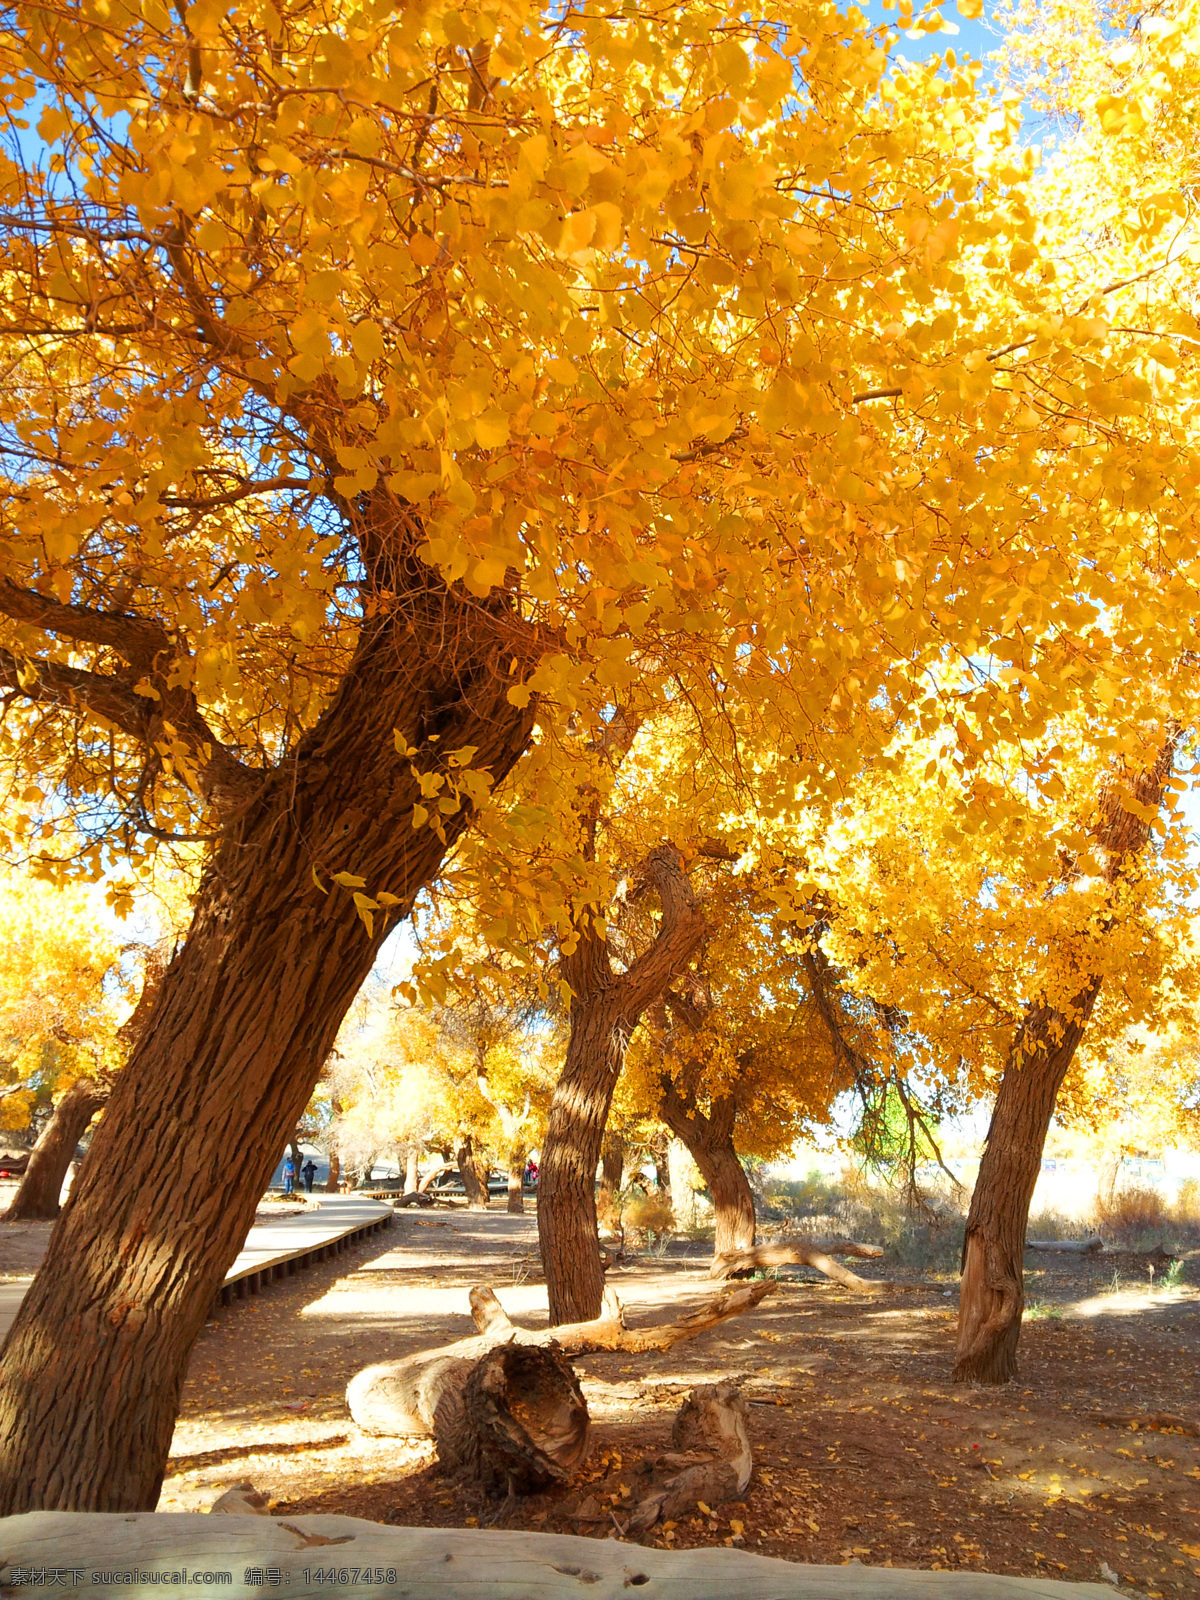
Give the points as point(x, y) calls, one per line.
point(505, 1406)
point(735, 1263)
point(242, 1500)
point(711, 1460)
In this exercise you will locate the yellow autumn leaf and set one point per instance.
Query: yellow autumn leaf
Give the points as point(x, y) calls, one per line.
point(492, 428)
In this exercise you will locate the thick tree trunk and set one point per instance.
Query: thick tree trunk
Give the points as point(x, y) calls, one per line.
point(335, 1173)
point(605, 1008)
point(612, 1167)
point(412, 1173)
point(474, 1173)
point(249, 1009)
point(516, 1180)
point(709, 1139)
point(567, 1226)
point(659, 1155)
point(992, 1296)
point(37, 1197)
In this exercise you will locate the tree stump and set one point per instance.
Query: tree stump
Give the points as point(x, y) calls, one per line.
point(525, 1419)
point(711, 1460)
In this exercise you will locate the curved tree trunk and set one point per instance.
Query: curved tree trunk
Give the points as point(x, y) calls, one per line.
point(567, 1226)
point(474, 1173)
point(992, 1296)
point(709, 1140)
point(37, 1197)
point(605, 1007)
point(249, 1009)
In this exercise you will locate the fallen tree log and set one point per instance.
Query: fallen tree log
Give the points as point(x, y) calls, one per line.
point(733, 1263)
point(847, 1247)
point(712, 1447)
point(85, 1549)
point(1076, 1247)
point(421, 1393)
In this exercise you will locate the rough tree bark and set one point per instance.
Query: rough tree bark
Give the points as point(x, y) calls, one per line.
point(335, 1173)
point(412, 1174)
point(37, 1197)
point(709, 1138)
point(473, 1171)
point(992, 1297)
point(516, 1180)
point(711, 1460)
point(612, 1167)
point(93, 1365)
point(605, 1008)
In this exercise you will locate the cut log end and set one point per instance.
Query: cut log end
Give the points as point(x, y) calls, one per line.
point(526, 1419)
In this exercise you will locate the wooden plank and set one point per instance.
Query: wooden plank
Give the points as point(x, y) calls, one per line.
point(276, 1246)
point(335, 1219)
point(385, 1563)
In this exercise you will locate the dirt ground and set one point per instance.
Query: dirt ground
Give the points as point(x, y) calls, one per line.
point(864, 1451)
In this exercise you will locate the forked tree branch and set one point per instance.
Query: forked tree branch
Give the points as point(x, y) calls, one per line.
point(137, 639)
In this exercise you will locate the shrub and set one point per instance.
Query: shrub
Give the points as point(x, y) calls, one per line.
point(650, 1215)
point(1186, 1210)
point(1131, 1212)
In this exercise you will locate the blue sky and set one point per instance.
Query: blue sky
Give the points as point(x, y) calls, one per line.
point(974, 39)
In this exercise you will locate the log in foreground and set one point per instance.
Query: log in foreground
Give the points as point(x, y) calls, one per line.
point(422, 1393)
point(798, 1253)
point(447, 1563)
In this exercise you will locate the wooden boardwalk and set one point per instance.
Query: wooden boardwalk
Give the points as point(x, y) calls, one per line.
point(270, 1252)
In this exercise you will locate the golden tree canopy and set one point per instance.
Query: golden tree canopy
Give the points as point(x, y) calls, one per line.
point(702, 353)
